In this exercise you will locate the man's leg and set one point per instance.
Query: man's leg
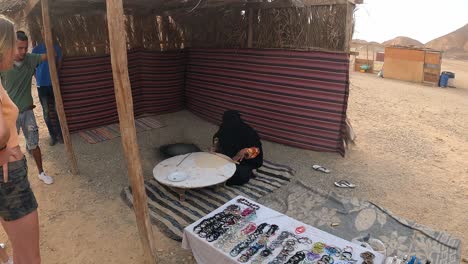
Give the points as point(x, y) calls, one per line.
point(37, 155)
point(44, 98)
point(58, 127)
point(31, 134)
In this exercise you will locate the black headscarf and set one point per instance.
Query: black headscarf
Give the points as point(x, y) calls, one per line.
point(234, 134)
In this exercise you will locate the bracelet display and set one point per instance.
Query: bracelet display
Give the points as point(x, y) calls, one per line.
point(233, 232)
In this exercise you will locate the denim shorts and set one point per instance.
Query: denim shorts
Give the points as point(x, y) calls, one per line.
point(16, 197)
point(27, 122)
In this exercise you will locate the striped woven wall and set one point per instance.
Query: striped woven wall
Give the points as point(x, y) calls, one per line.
point(88, 89)
point(291, 97)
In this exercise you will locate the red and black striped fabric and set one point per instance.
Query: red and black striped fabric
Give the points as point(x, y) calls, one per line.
point(162, 79)
point(87, 87)
point(291, 97)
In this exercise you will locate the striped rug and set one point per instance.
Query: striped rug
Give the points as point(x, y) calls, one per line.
point(109, 132)
point(172, 216)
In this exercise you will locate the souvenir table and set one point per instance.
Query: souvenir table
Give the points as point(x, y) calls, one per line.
point(242, 231)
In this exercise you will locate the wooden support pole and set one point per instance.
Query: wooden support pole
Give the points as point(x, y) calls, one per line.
point(56, 85)
point(349, 26)
point(250, 29)
point(123, 94)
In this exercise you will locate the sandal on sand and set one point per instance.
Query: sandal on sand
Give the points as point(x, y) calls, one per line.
point(320, 168)
point(344, 184)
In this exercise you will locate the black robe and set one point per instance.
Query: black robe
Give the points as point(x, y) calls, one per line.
point(233, 135)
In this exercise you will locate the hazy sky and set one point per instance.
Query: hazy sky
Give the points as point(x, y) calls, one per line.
point(423, 20)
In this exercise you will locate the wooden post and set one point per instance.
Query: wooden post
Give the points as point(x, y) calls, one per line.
point(349, 26)
point(56, 85)
point(250, 30)
point(123, 94)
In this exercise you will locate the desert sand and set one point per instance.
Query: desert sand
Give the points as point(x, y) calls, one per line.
point(410, 156)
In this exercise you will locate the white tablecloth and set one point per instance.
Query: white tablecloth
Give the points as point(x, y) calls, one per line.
point(205, 253)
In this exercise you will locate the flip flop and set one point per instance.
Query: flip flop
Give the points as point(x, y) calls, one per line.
point(320, 168)
point(344, 184)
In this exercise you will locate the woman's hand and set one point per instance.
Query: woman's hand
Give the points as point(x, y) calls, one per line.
point(242, 154)
point(5, 157)
point(247, 153)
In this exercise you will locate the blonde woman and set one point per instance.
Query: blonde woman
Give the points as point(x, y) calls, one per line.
point(18, 206)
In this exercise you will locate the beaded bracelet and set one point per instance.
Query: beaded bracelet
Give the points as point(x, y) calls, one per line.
point(311, 257)
point(250, 252)
point(232, 235)
point(270, 248)
point(261, 243)
point(212, 228)
point(205, 223)
point(318, 248)
point(297, 258)
point(347, 254)
point(232, 208)
point(250, 239)
point(245, 202)
point(368, 257)
point(300, 239)
point(219, 227)
point(222, 228)
point(288, 248)
point(333, 251)
point(326, 259)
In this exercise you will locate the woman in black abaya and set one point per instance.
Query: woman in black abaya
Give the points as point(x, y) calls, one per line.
point(240, 142)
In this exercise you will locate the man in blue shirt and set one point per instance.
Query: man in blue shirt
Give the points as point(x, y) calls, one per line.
point(46, 93)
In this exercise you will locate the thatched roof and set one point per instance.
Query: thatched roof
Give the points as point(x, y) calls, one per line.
point(80, 25)
point(162, 6)
point(11, 6)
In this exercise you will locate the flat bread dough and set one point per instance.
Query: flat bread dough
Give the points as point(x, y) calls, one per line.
point(209, 161)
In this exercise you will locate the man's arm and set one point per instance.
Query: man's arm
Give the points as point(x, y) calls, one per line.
point(44, 56)
point(35, 50)
point(39, 49)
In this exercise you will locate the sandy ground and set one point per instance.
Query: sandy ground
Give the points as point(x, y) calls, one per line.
point(410, 157)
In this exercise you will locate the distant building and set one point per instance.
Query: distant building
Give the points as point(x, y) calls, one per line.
point(412, 64)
